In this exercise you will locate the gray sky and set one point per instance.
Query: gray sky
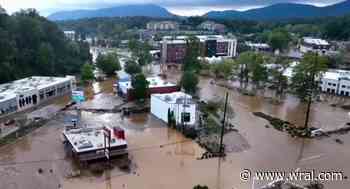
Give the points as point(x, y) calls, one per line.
point(180, 7)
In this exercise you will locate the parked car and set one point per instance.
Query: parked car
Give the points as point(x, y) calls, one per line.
point(9, 122)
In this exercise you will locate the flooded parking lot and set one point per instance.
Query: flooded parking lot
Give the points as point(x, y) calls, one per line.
point(162, 158)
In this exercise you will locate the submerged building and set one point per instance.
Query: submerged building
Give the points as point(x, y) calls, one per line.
point(173, 49)
point(29, 92)
point(180, 105)
point(156, 86)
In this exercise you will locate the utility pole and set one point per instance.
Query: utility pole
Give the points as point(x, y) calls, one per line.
point(223, 127)
point(310, 92)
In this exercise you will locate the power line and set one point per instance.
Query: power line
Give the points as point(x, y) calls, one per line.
point(129, 150)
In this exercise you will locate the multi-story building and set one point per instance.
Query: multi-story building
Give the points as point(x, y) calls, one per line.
point(70, 35)
point(178, 104)
point(336, 82)
point(320, 46)
point(162, 25)
point(173, 50)
point(212, 26)
point(29, 92)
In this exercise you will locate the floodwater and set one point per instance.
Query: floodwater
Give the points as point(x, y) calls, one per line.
point(162, 158)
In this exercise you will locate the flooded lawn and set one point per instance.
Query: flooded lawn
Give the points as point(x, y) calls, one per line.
point(162, 158)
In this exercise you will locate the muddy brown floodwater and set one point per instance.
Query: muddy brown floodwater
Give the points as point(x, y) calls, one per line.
point(163, 158)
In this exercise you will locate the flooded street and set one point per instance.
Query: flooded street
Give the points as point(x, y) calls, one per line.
point(162, 158)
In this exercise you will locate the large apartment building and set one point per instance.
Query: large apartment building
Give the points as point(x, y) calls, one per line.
point(173, 49)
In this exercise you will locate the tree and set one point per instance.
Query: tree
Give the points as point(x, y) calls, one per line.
point(200, 187)
point(305, 74)
point(193, 51)
point(224, 69)
point(243, 62)
point(304, 78)
point(131, 67)
point(140, 85)
point(32, 45)
point(108, 63)
point(87, 73)
point(189, 82)
point(279, 39)
point(279, 80)
point(258, 70)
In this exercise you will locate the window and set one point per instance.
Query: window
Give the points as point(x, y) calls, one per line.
point(186, 117)
point(343, 86)
point(334, 84)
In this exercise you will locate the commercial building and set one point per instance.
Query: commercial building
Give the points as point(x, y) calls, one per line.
point(29, 92)
point(336, 82)
point(156, 86)
point(95, 143)
point(180, 105)
point(320, 46)
point(258, 47)
point(70, 35)
point(162, 25)
point(173, 50)
point(212, 26)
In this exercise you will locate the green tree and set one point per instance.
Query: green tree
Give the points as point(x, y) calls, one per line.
point(193, 51)
point(305, 74)
point(279, 39)
point(131, 67)
point(243, 62)
point(108, 63)
point(140, 85)
point(200, 187)
point(278, 79)
point(189, 82)
point(224, 69)
point(258, 70)
point(87, 73)
point(304, 78)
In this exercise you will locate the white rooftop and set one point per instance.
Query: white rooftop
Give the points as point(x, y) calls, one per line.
point(257, 45)
point(22, 86)
point(84, 139)
point(182, 38)
point(175, 98)
point(153, 83)
point(336, 74)
point(315, 41)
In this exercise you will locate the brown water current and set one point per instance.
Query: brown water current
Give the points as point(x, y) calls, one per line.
point(162, 158)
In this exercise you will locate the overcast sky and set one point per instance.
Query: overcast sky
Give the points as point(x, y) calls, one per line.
point(180, 7)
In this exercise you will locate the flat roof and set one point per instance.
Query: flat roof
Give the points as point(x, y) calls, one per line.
point(29, 84)
point(182, 38)
point(88, 139)
point(175, 98)
point(153, 83)
point(315, 41)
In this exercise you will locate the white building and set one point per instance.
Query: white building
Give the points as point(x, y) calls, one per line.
point(258, 47)
point(70, 35)
point(333, 81)
point(163, 25)
point(181, 104)
point(336, 82)
point(29, 92)
point(320, 46)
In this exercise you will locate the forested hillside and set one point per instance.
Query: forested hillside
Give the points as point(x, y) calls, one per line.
point(32, 45)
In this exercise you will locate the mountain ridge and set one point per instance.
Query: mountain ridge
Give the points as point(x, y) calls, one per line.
point(282, 11)
point(148, 10)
